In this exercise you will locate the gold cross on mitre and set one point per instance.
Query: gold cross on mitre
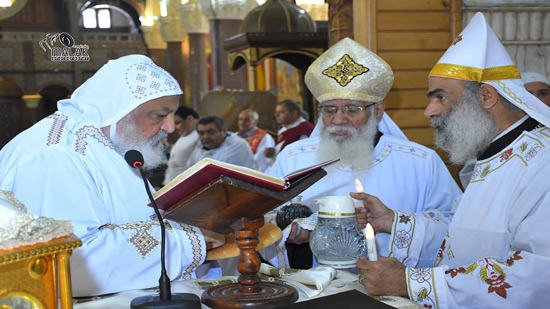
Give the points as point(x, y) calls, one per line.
point(345, 70)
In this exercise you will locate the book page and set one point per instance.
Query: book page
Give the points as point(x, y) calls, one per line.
point(206, 161)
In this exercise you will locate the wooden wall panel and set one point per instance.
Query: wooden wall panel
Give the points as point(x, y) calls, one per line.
point(411, 35)
point(421, 40)
point(410, 60)
point(408, 21)
point(398, 98)
point(422, 5)
point(409, 118)
point(411, 80)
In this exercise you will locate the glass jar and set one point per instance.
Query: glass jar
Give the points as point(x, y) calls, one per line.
point(336, 240)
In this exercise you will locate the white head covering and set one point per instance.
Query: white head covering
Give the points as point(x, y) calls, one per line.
point(348, 70)
point(478, 55)
point(119, 87)
point(531, 77)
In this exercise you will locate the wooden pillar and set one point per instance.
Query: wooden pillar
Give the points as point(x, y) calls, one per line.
point(197, 64)
point(158, 56)
point(340, 20)
point(222, 75)
point(270, 74)
point(364, 29)
point(174, 61)
point(251, 70)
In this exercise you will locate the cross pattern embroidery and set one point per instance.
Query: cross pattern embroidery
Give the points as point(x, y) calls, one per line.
point(345, 70)
point(147, 79)
point(140, 90)
point(141, 77)
point(155, 85)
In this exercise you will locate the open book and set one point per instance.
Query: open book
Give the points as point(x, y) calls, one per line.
point(207, 170)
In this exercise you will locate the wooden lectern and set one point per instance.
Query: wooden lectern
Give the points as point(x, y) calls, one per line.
point(228, 205)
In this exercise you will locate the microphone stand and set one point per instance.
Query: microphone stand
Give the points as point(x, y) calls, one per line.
point(166, 299)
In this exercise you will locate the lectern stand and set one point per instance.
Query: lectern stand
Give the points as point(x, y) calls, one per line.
point(249, 291)
point(230, 205)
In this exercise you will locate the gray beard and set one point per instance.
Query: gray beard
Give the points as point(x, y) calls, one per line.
point(127, 138)
point(357, 150)
point(466, 130)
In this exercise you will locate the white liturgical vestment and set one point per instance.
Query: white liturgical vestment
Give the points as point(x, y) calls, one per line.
point(266, 142)
point(180, 154)
point(65, 168)
point(233, 149)
point(264, 162)
point(496, 252)
point(404, 175)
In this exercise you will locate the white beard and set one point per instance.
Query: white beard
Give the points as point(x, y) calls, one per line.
point(464, 131)
point(128, 138)
point(356, 150)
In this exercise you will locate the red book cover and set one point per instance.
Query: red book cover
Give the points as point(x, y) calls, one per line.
point(208, 170)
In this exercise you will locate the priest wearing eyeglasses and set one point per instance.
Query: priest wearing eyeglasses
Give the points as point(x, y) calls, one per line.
point(351, 82)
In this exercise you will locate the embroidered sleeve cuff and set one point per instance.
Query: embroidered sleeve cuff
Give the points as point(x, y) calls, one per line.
point(423, 288)
point(402, 235)
point(196, 250)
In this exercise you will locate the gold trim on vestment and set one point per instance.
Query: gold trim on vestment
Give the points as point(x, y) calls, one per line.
point(480, 75)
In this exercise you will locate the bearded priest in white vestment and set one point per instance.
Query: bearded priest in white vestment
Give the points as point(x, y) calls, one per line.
point(352, 126)
point(71, 166)
point(496, 250)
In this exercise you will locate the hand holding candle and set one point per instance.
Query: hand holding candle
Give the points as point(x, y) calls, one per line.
point(371, 243)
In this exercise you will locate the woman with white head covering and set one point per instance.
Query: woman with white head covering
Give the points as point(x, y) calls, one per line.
point(70, 166)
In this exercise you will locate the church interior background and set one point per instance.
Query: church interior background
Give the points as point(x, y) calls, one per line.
point(231, 54)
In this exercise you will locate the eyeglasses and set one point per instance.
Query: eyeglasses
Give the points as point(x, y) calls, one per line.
point(348, 110)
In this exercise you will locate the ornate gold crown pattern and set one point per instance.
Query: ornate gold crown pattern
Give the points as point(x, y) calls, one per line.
point(345, 70)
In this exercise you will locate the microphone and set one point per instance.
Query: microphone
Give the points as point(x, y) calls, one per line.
point(166, 299)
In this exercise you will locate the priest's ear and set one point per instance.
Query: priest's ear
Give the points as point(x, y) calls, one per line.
point(379, 109)
point(489, 96)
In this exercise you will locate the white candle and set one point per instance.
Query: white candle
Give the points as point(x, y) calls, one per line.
point(371, 243)
point(359, 189)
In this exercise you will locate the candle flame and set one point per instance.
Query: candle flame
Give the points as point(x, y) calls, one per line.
point(358, 186)
point(369, 232)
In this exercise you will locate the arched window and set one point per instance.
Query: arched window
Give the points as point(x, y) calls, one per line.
point(101, 16)
point(96, 18)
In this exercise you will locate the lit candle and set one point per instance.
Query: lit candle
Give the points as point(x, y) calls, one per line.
point(358, 186)
point(371, 243)
point(359, 189)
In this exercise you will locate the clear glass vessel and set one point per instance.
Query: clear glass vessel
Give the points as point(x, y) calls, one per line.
point(336, 240)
